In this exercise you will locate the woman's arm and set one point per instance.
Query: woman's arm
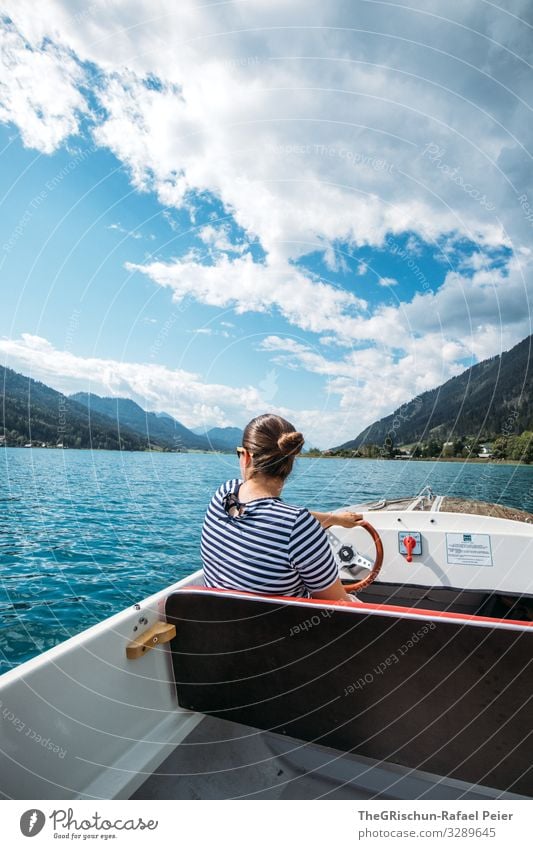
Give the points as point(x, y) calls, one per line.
point(335, 592)
point(346, 519)
point(311, 555)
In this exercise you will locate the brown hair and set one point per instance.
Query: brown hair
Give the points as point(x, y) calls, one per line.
point(273, 443)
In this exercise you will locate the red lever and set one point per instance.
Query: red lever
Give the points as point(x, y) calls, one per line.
point(409, 543)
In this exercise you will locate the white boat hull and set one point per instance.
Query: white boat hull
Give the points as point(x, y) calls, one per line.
point(106, 721)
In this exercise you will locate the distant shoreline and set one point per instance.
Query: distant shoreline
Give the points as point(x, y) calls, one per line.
point(229, 452)
point(475, 460)
point(478, 460)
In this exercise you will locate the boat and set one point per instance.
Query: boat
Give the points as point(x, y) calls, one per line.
point(420, 689)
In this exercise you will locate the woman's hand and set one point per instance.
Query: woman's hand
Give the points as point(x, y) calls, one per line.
point(347, 519)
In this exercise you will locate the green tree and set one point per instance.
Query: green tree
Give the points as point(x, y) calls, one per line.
point(458, 446)
point(523, 447)
point(389, 450)
point(433, 448)
point(500, 447)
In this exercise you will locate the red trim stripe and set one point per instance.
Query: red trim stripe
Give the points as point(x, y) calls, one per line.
point(366, 607)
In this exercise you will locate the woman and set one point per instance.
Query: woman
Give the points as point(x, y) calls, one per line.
point(252, 540)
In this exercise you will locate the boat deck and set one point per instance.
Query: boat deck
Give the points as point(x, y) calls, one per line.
point(225, 760)
point(449, 504)
point(483, 508)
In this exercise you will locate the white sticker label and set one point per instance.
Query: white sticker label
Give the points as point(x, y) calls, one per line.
point(468, 549)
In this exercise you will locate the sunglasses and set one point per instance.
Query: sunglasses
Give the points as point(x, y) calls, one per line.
point(240, 451)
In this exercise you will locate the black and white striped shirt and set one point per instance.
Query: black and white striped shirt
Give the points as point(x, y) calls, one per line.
point(271, 547)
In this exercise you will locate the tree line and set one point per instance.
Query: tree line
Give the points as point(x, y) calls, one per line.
point(517, 447)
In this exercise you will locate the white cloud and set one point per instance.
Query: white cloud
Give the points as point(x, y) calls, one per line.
point(39, 90)
point(289, 351)
point(334, 260)
point(413, 246)
point(491, 304)
point(373, 381)
point(134, 234)
point(473, 312)
point(218, 239)
point(307, 152)
point(250, 286)
point(181, 393)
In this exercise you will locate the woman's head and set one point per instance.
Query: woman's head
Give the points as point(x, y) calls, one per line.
point(273, 443)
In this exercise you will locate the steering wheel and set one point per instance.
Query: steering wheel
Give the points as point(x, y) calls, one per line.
point(374, 572)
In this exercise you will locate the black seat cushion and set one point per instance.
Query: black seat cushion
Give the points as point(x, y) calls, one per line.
point(432, 694)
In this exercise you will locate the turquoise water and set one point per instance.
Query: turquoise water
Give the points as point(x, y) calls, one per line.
point(85, 534)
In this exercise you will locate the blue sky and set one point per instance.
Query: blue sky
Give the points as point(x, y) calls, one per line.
point(221, 210)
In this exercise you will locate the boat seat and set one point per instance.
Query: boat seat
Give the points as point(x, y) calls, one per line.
point(440, 692)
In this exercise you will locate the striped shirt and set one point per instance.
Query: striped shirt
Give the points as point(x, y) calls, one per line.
point(271, 547)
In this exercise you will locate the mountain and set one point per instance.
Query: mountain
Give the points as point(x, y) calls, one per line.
point(153, 427)
point(30, 411)
point(225, 438)
point(494, 397)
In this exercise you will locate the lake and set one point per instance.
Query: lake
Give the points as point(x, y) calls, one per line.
point(85, 534)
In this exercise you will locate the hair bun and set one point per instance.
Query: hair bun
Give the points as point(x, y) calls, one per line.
point(291, 443)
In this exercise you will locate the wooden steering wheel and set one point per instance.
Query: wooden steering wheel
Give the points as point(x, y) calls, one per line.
point(374, 572)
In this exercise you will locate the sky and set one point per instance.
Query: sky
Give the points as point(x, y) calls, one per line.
point(223, 209)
